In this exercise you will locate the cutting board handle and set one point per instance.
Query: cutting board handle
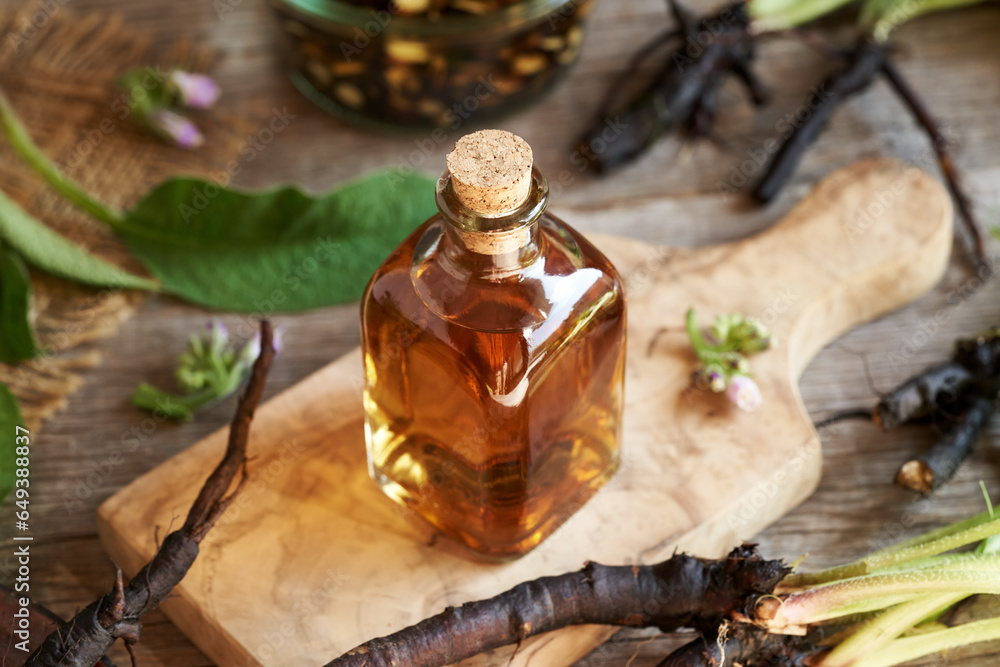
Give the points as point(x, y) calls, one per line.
point(869, 238)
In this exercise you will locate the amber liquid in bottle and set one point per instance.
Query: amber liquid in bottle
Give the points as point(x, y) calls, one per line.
point(494, 382)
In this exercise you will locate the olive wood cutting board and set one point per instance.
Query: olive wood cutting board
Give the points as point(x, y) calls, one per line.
point(312, 559)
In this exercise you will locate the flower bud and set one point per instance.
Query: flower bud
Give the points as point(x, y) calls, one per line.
point(176, 128)
point(750, 336)
point(195, 91)
point(711, 377)
point(744, 393)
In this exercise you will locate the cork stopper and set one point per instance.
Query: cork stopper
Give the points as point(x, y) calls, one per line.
point(491, 171)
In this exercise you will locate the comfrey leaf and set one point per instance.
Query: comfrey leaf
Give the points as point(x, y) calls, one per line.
point(277, 250)
point(46, 250)
point(17, 342)
point(258, 252)
point(10, 419)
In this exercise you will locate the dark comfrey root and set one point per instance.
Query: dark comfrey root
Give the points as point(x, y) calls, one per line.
point(681, 94)
point(740, 644)
point(859, 71)
point(921, 395)
point(938, 464)
point(14, 635)
point(958, 397)
point(682, 591)
point(863, 64)
point(83, 640)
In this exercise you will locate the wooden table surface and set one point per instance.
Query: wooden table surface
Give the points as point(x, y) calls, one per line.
point(671, 197)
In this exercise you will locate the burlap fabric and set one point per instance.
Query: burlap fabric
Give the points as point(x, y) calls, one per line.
point(60, 72)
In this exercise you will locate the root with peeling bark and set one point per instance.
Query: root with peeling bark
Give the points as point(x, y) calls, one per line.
point(81, 641)
point(682, 591)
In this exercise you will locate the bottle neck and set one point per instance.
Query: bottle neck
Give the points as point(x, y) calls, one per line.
point(494, 245)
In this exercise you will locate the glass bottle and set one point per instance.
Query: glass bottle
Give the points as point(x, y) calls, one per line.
point(494, 351)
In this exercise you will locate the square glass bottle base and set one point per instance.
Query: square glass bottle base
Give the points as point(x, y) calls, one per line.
point(497, 533)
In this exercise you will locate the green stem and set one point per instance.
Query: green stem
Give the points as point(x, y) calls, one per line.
point(880, 17)
point(868, 608)
point(18, 137)
point(783, 14)
point(950, 539)
point(938, 533)
point(967, 561)
point(841, 598)
point(990, 545)
point(701, 348)
point(911, 648)
point(878, 632)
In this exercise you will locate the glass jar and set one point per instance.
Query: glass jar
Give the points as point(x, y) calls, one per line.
point(494, 351)
point(455, 63)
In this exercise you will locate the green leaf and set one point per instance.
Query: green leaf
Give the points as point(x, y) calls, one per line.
point(17, 342)
point(45, 249)
point(10, 419)
point(276, 250)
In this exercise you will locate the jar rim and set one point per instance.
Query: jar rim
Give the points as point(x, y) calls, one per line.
point(345, 13)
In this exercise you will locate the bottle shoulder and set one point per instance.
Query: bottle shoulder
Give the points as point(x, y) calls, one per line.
point(569, 277)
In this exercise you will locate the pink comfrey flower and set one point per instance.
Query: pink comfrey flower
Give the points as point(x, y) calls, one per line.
point(744, 393)
point(176, 128)
point(195, 91)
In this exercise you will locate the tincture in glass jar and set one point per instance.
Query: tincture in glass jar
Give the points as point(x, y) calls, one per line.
point(494, 351)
